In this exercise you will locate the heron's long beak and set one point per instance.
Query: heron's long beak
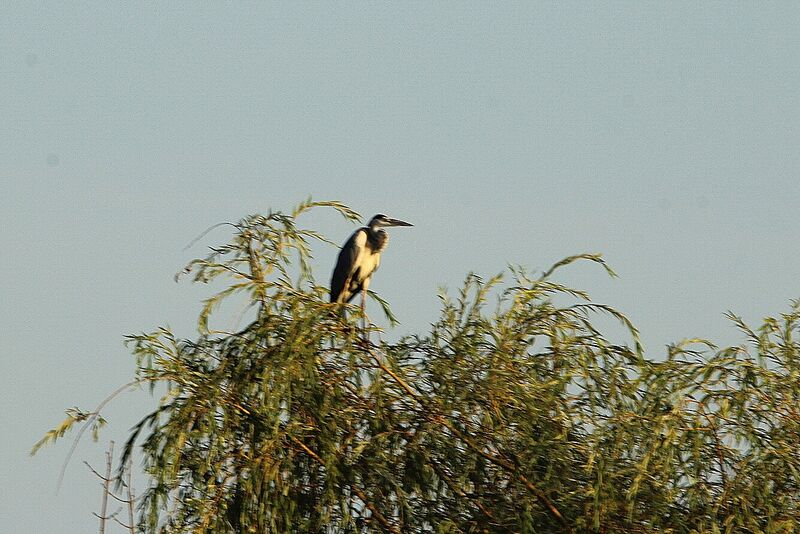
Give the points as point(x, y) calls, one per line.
point(397, 222)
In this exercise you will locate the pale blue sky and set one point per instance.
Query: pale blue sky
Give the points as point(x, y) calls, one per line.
point(664, 135)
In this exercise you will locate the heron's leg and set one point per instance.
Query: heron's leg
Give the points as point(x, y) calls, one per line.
point(364, 315)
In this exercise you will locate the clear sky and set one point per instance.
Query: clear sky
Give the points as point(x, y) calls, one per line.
point(664, 135)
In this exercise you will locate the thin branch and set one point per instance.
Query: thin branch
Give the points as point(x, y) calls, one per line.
point(123, 525)
point(106, 483)
point(205, 233)
point(505, 464)
point(458, 491)
point(361, 495)
point(131, 499)
point(91, 419)
point(94, 471)
point(112, 516)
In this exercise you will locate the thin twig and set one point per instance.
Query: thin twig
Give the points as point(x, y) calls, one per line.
point(120, 523)
point(505, 464)
point(131, 499)
point(89, 420)
point(206, 231)
point(361, 495)
point(106, 483)
point(458, 491)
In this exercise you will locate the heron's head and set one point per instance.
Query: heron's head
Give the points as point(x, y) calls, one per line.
point(382, 221)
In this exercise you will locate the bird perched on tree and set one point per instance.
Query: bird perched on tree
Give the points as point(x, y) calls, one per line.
point(359, 258)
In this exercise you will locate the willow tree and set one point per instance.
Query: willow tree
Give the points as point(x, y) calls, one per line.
point(513, 414)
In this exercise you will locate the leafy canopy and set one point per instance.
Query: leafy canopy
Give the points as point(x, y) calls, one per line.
point(513, 414)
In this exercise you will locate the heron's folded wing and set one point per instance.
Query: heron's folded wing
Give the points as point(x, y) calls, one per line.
point(347, 262)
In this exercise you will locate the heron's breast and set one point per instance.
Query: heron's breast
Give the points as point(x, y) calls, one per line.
point(370, 262)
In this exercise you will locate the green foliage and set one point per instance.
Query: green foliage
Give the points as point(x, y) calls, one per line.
point(74, 415)
point(519, 418)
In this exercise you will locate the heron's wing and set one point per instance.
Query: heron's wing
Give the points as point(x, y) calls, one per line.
point(347, 263)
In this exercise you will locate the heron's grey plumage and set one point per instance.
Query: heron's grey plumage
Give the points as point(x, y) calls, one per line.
point(360, 257)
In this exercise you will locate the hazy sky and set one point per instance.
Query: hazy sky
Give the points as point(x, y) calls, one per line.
point(664, 135)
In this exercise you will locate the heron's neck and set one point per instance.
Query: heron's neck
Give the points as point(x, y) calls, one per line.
point(377, 238)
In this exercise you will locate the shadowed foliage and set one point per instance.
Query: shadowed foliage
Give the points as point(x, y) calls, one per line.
point(513, 414)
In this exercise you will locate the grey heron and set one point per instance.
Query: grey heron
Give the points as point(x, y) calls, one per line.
point(359, 259)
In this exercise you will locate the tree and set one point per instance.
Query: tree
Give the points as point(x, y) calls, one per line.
point(517, 417)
